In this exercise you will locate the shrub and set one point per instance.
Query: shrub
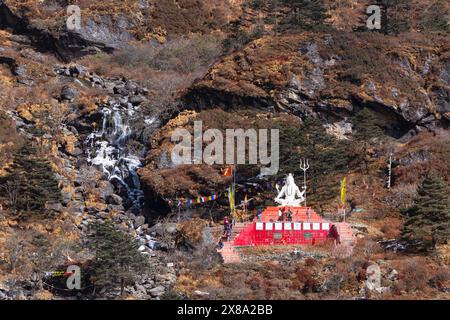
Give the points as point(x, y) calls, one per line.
point(435, 18)
point(192, 230)
point(35, 181)
point(9, 138)
point(441, 280)
point(187, 55)
point(401, 195)
point(305, 280)
point(257, 4)
point(240, 37)
point(182, 54)
point(412, 277)
point(366, 248)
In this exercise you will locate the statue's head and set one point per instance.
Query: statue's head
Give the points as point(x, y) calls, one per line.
point(290, 180)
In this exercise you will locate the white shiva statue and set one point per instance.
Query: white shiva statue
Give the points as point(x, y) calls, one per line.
point(292, 194)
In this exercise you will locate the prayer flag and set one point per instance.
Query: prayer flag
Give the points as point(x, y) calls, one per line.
point(228, 172)
point(343, 187)
point(231, 199)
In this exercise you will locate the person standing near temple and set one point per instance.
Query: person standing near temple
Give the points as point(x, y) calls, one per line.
point(230, 227)
point(280, 215)
point(229, 231)
point(334, 234)
point(258, 214)
point(289, 215)
point(226, 222)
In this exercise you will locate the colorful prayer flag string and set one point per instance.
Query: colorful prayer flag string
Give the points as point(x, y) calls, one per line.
point(190, 202)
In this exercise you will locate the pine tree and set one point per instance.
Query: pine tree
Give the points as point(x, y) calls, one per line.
point(428, 219)
point(307, 14)
point(396, 16)
point(435, 18)
point(367, 126)
point(367, 132)
point(36, 182)
point(117, 258)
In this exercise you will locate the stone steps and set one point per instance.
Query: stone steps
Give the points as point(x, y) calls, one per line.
point(346, 233)
point(229, 254)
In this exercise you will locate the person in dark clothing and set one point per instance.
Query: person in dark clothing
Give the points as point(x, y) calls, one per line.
point(289, 215)
point(229, 231)
point(258, 214)
point(281, 215)
point(334, 234)
point(226, 224)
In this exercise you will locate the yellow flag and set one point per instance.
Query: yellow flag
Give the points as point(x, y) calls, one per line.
point(231, 199)
point(343, 187)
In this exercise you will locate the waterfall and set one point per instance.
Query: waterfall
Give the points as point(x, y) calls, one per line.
point(107, 149)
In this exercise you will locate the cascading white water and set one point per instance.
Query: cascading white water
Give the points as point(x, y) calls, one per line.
point(107, 150)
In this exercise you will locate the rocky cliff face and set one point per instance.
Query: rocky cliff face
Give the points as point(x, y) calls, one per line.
point(332, 75)
point(111, 24)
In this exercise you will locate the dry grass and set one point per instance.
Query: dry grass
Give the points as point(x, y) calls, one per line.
point(192, 230)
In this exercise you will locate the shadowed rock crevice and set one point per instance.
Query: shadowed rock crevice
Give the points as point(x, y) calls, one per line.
point(64, 44)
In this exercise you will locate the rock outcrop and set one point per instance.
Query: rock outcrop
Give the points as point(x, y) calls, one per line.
point(332, 75)
point(105, 27)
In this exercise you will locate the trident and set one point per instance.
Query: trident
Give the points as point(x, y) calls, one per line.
point(304, 165)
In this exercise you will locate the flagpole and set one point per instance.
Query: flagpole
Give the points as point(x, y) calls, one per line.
point(343, 196)
point(234, 191)
point(210, 211)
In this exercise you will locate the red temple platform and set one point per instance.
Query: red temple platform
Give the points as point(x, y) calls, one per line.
point(270, 231)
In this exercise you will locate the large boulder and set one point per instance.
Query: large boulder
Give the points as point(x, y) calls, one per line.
point(114, 199)
point(139, 221)
point(442, 101)
point(56, 207)
point(68, 93)
point(157, 292)
point(161, 229)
